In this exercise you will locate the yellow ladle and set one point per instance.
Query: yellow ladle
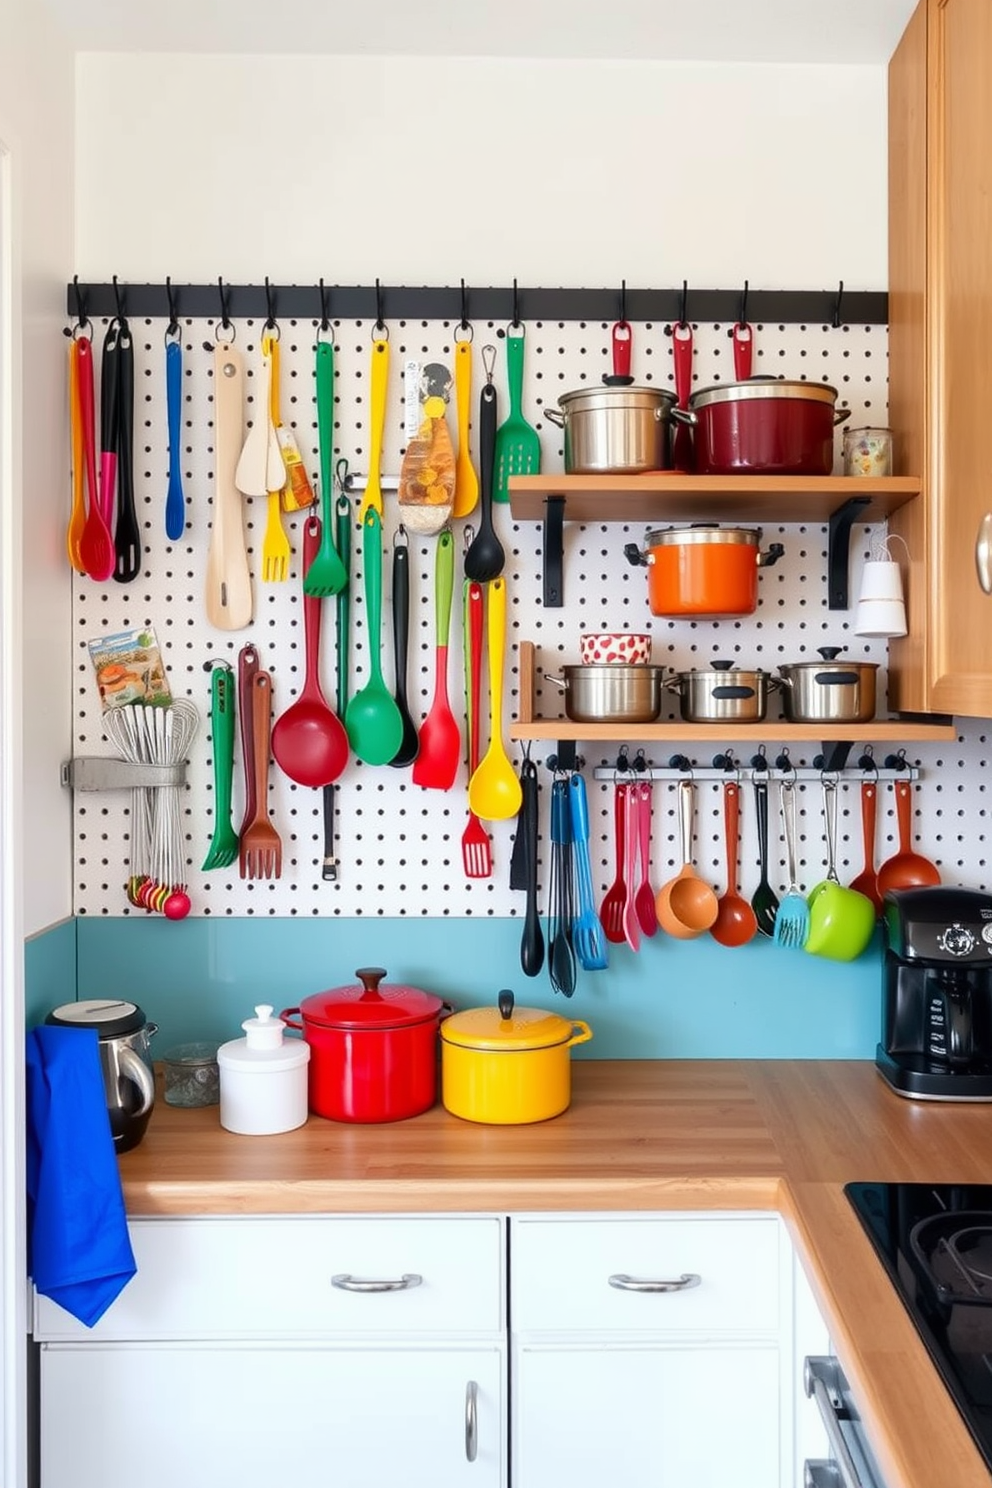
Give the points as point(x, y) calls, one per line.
point(494, 792)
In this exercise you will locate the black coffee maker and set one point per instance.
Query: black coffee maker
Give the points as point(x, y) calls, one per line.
point(937, 994)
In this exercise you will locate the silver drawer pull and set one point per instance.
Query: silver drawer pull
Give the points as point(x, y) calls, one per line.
point(624, 1283)
point(823, 1382)
point(983, 553)
point(346, 1283)
point(471, 1421)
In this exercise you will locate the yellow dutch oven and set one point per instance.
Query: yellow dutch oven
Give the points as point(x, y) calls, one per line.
point(508, 1065)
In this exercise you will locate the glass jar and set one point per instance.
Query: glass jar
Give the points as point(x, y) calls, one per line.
point(868, 451)
point(191, 1074)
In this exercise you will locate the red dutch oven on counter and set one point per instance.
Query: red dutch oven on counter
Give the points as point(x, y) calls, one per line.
point(374, 1049)
point(704, 569)
point(764, 426)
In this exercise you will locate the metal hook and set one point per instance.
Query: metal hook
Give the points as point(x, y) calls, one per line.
point(759, 761)
point(489, 362)
point(640, 762)
point(464, 319)
point(270, 305)
point(680, 762)
point(516, 307)
point(173, 326)
point(225, 301)
point(380, 324)
point(622, 765)
point(742, 317)
point(867, 760)
point(81, 316)
point(685, 295)
point(837, 305)
point(623, 302)
point(325, 321)
point(120, 300)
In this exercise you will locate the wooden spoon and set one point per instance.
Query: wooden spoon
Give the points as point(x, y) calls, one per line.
point(867, 880)
point(736, 922)
point(685, 905)
point(906, 869)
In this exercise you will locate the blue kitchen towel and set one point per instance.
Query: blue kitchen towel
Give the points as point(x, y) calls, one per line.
point(79, 1250)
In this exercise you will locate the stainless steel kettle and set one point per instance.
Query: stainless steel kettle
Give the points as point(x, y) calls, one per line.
point(124, 1035)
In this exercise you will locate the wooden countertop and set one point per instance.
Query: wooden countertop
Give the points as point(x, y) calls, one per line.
point(783, 1135)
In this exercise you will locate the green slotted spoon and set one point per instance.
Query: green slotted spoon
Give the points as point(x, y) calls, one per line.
point(518, 446)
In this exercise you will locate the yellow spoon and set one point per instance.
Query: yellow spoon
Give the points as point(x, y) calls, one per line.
point(494, 792)
point(466, 480)
point(377, 421)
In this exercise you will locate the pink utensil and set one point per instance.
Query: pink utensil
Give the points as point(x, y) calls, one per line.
point(647, 915)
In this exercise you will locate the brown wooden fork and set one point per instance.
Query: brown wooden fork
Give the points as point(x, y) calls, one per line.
point(261, 846)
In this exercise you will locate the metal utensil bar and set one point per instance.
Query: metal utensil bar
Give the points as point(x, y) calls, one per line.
point(97, 773)
point(801, 774)
point(427, 302)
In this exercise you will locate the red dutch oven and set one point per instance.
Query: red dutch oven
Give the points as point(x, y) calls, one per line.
point(374, 1049)
point(764, 426)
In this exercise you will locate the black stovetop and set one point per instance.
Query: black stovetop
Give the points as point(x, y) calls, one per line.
point(935, 1242)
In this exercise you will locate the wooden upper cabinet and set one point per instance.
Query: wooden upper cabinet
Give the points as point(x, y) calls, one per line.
point(940, 351)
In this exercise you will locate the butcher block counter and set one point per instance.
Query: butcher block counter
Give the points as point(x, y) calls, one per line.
point(645, 1135)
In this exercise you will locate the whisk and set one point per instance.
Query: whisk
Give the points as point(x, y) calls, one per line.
point(147, 734)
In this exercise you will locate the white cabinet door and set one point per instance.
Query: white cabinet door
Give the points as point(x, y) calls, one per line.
point(636, 1415)
point(158, 1415)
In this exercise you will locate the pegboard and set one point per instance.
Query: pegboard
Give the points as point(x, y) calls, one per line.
point(397, 844)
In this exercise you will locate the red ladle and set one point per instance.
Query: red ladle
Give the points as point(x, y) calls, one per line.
point(309, 740)
point(440, 751)
point(867, 880)
point(906, 869)
point(736, 922)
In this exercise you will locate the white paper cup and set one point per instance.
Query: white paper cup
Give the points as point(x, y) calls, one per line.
point(881, 579)
point(880, 617)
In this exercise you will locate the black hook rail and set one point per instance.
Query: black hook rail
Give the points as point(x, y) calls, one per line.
point(456, 303)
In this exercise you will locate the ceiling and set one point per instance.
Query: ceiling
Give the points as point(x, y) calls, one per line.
point(785, 31)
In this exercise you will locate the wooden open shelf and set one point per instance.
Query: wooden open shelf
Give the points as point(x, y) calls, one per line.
point(896, 730)
point(670, 496)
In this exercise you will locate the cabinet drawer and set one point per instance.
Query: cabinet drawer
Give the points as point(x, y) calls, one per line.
point(272, 1277)
point(561, 1274)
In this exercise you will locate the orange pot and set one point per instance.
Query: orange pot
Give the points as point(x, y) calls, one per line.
point(704, 569)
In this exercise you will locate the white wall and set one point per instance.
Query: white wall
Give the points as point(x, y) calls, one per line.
point(36, 127)
point(429, 170)
point(36, 123)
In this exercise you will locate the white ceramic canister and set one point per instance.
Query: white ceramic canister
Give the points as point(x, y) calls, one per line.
point(263, 1078)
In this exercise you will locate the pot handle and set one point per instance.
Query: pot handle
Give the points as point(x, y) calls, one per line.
point(732, 692)
point(556, 417)
point(581, 1033)
point(287, 1017)
point(836, 679)
point(504, 1002)
point(559, 682)
point(635, 556)
point(840, 414)
point(771, 555)
point(687, 416)
point(135, 1069)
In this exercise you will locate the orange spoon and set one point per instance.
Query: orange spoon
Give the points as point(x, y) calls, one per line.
point(736, 922)
point(867, 880)
point(906, 869)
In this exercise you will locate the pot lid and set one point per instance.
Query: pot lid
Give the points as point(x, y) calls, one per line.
point(108, 1015)
point(829, 663)
point(506, 1027)
point(390, 1005)
point(615, 397)
point(718, 670)
point(703, 532)
point(764, 388)
point(263, 1047)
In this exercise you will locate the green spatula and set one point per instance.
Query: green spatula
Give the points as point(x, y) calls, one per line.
point(518, 446)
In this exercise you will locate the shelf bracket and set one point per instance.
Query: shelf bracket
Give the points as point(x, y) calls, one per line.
point(99, 773)
point(839, 549)
point(554, 552)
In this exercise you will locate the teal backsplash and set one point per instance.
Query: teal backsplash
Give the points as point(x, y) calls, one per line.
point(199, 978)
point(49, 971)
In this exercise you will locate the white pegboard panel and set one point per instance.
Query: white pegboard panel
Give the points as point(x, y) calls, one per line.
point(398, 845)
